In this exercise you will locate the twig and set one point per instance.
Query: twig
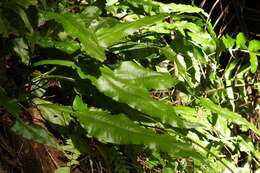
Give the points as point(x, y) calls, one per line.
point(235, 86)
point(221, 15)
point(52, 159)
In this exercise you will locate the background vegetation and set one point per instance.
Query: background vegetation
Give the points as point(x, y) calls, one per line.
point(127, 86)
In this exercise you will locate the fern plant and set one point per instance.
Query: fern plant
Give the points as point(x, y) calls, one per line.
point(106, 59)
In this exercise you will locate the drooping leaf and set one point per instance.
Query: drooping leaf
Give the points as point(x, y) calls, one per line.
point(131, 93)
point(74, 25)
point(35, 133)
point(109, 36)
point(137, 97)
point(117, 129)
point(232, 116)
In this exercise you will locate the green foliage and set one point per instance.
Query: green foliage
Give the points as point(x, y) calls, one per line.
point(142, 79)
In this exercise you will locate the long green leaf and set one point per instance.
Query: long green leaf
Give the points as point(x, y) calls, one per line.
point(30, 132)
point(232, 116)
point(119, 129)
point(35, 133)
point(110, 36)
point(133, 92)
point(137, 97)
point(74, 26)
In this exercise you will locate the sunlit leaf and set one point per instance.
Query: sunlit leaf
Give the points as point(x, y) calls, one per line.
point(254, 45)
point(241, 41)
point(253, 61)
point(136, 74)
point(137, 97)
point(109, 36)
point(232, 116)
point(228, 41)
point(78, 104)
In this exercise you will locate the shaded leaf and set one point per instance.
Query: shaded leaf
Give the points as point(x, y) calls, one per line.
point(10, 104)
point(26, 3)
point(21, 14)
point(51, 115)
point(4, 25)
point(35, 133)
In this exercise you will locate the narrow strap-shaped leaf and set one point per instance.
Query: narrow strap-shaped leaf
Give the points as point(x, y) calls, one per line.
point(232, 116)
point(74, 26)
point(35, 133)
point(137, 97)
point(119, 129)
point(132, 92)
point(109, 36)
